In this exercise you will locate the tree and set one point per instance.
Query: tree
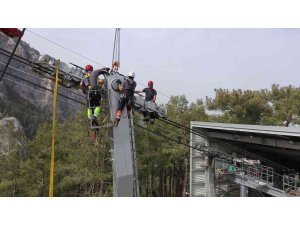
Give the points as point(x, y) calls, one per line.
point(237, 106)
point(278, 106)
point(81, 165)
point(163, 158)
point(285, 102)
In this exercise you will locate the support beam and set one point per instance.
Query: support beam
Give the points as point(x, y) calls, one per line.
point(121, 142)
point(273, 142)
point(269, 189)
point(210, 182)
point(243, 190)
point(202, 176)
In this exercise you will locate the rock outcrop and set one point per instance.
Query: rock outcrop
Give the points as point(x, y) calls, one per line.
point(12, 136)
point(42, 99)
point(25, 89)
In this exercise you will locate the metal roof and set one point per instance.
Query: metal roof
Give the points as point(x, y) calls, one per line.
point(258, 129)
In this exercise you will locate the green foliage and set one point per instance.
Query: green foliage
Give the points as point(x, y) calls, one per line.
point(278, 106)
point(163, 161)
point(239, 106)
point(286, 104)
point(81, 165)
point(83, 168)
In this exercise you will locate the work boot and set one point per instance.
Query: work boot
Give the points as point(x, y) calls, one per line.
point(93, 121)
point(116, 122)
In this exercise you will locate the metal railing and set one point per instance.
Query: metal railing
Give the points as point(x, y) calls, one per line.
point(264, 174)
point(259, 172)
point(289, 183)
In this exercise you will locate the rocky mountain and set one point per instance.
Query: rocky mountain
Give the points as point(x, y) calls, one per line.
point(21, 95)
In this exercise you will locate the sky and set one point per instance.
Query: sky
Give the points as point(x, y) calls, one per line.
point(191, 62)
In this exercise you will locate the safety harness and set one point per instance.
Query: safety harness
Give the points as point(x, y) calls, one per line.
point(88, 76)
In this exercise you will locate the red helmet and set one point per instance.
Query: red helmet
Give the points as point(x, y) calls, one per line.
point(150, 84)
point(89, 68)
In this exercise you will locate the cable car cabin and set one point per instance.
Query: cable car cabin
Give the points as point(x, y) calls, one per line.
point(11, 32)
point(68, 77)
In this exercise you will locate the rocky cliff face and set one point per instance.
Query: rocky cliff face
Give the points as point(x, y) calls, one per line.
point(12, 136)
point(24, 50)
point(12, 95)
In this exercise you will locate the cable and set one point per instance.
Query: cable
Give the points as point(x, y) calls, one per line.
point(49, 71)
point(187, 129)
point(116, 51)
point(47, 89)
point(62, 95)
point(40, 68)
point(224, 143)
point(80, 56)
point(76, 53)
point(37, 77)
point(227, 144)
point(179, 126)
point(28, 62)
point(37, 67)
point(166, 137)
point(31, 74)
point(43, 92)
point(142, 128)
point(12, 53)
point(181, 136)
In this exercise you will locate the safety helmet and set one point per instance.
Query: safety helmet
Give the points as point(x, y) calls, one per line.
point(101, 79)
point(131, 74)
point(89, 67)
point(150, 84)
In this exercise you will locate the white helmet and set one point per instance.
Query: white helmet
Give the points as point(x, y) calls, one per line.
point(131, 74)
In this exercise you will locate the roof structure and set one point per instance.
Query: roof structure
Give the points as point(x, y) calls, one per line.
point(274, 149)
point(258, 129)
point(275, 143)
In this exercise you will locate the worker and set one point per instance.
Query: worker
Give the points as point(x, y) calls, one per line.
point(103, 88)
point(126, 88)
point(150, 95)
point(150, 92)
point(91, 88)
point(101, 83)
